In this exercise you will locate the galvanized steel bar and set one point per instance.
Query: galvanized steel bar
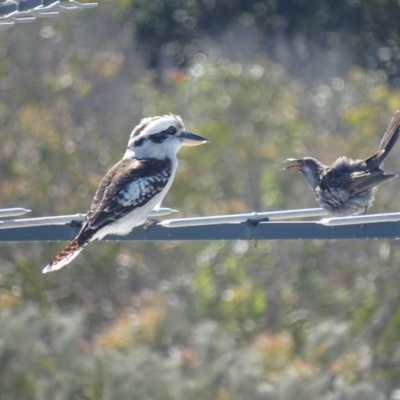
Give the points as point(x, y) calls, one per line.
point(239, 218)
point(244, 231)
point(361, 219)
point(13, 212)
point(60, 220)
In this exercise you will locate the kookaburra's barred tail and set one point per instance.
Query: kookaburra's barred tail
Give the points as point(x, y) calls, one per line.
point(67, 255)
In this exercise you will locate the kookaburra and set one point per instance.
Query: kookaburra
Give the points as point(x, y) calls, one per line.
point(134, 186)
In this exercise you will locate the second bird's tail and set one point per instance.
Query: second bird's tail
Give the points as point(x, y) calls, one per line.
point(388, 141)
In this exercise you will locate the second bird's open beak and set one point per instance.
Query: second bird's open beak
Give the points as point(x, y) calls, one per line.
point(296, 164)
point(191, 139)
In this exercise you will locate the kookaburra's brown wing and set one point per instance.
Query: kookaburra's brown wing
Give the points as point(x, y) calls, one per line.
point(128, 185)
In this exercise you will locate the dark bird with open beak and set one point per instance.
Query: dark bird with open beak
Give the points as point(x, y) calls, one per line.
point(346, 187)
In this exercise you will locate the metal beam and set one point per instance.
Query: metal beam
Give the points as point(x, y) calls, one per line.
point(74, 219)
point(239, 218)
point(244, 231)
point(13, 212)
point(361, 219)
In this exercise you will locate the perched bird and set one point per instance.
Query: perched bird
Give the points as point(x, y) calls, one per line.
point(346, 187)
point(134, 186)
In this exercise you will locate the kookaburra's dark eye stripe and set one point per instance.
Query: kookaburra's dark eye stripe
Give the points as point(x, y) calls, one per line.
point(139, 142)
point(158, 137)
point(170, 131)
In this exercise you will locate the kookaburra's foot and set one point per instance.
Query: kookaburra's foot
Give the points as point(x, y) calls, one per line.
point(149, 222)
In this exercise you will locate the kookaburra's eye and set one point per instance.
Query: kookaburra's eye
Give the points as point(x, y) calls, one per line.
point(171, 130)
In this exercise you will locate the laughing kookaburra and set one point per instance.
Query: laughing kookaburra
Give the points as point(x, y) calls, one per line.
point(134, 186)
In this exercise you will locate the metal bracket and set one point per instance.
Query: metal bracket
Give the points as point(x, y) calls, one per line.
point(24, 11)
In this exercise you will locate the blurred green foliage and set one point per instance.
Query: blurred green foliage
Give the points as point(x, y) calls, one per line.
point(212, 320)
point(296, 33)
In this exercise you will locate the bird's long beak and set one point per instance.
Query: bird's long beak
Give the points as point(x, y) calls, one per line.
point(296, 165)
point(191, 139)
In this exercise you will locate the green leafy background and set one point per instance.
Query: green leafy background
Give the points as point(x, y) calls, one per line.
point(263, 81)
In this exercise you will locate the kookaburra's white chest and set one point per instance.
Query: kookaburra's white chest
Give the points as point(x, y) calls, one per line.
point(143, 195)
